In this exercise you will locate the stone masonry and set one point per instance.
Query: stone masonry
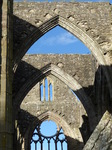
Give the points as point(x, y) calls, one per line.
point(82, 68)
point(82, 84)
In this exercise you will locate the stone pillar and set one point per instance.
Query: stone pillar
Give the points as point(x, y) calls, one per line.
point(101, 138)
point(6, 126)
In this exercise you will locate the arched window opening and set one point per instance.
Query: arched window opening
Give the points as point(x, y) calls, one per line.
point(47, 136)
point(41, 92)
point(59, 145)
point(58, 41)
point(51, 90)
point(46, 90)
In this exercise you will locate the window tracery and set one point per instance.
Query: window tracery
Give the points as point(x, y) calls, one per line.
point(46, 90)
point(41, 141)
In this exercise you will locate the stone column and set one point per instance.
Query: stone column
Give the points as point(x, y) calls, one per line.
point(6, 126)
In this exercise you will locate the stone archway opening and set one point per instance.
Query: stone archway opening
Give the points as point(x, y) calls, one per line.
point(70, 83)
point(48, 30)
point(32, 104)
point(71, 27)
point(62, 76)
point(67, 25)
point(63, 137)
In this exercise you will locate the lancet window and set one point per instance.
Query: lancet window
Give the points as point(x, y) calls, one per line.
point(46, 89)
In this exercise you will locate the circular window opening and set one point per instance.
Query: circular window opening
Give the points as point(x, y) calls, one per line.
point(48, 128)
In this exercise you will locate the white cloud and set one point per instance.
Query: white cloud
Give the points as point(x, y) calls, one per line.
point(62, 39)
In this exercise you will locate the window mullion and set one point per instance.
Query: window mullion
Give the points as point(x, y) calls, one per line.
point(48, 144)
point(61, 145)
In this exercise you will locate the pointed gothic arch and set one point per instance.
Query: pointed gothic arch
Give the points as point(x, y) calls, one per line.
point(49, 115)
point(70, 27)
point(66, 79)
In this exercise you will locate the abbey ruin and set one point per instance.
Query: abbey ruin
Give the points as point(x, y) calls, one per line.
point(80, 85)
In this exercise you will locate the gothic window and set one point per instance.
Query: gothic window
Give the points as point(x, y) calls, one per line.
point(51, 90)
point(47, 136)
point(41, 89)
point(46, 90)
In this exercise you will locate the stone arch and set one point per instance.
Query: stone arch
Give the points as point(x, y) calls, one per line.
point(65, 78)
point(59, 122)
point(71, 27)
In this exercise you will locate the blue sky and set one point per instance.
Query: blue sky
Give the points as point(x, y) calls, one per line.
point(58, 41)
